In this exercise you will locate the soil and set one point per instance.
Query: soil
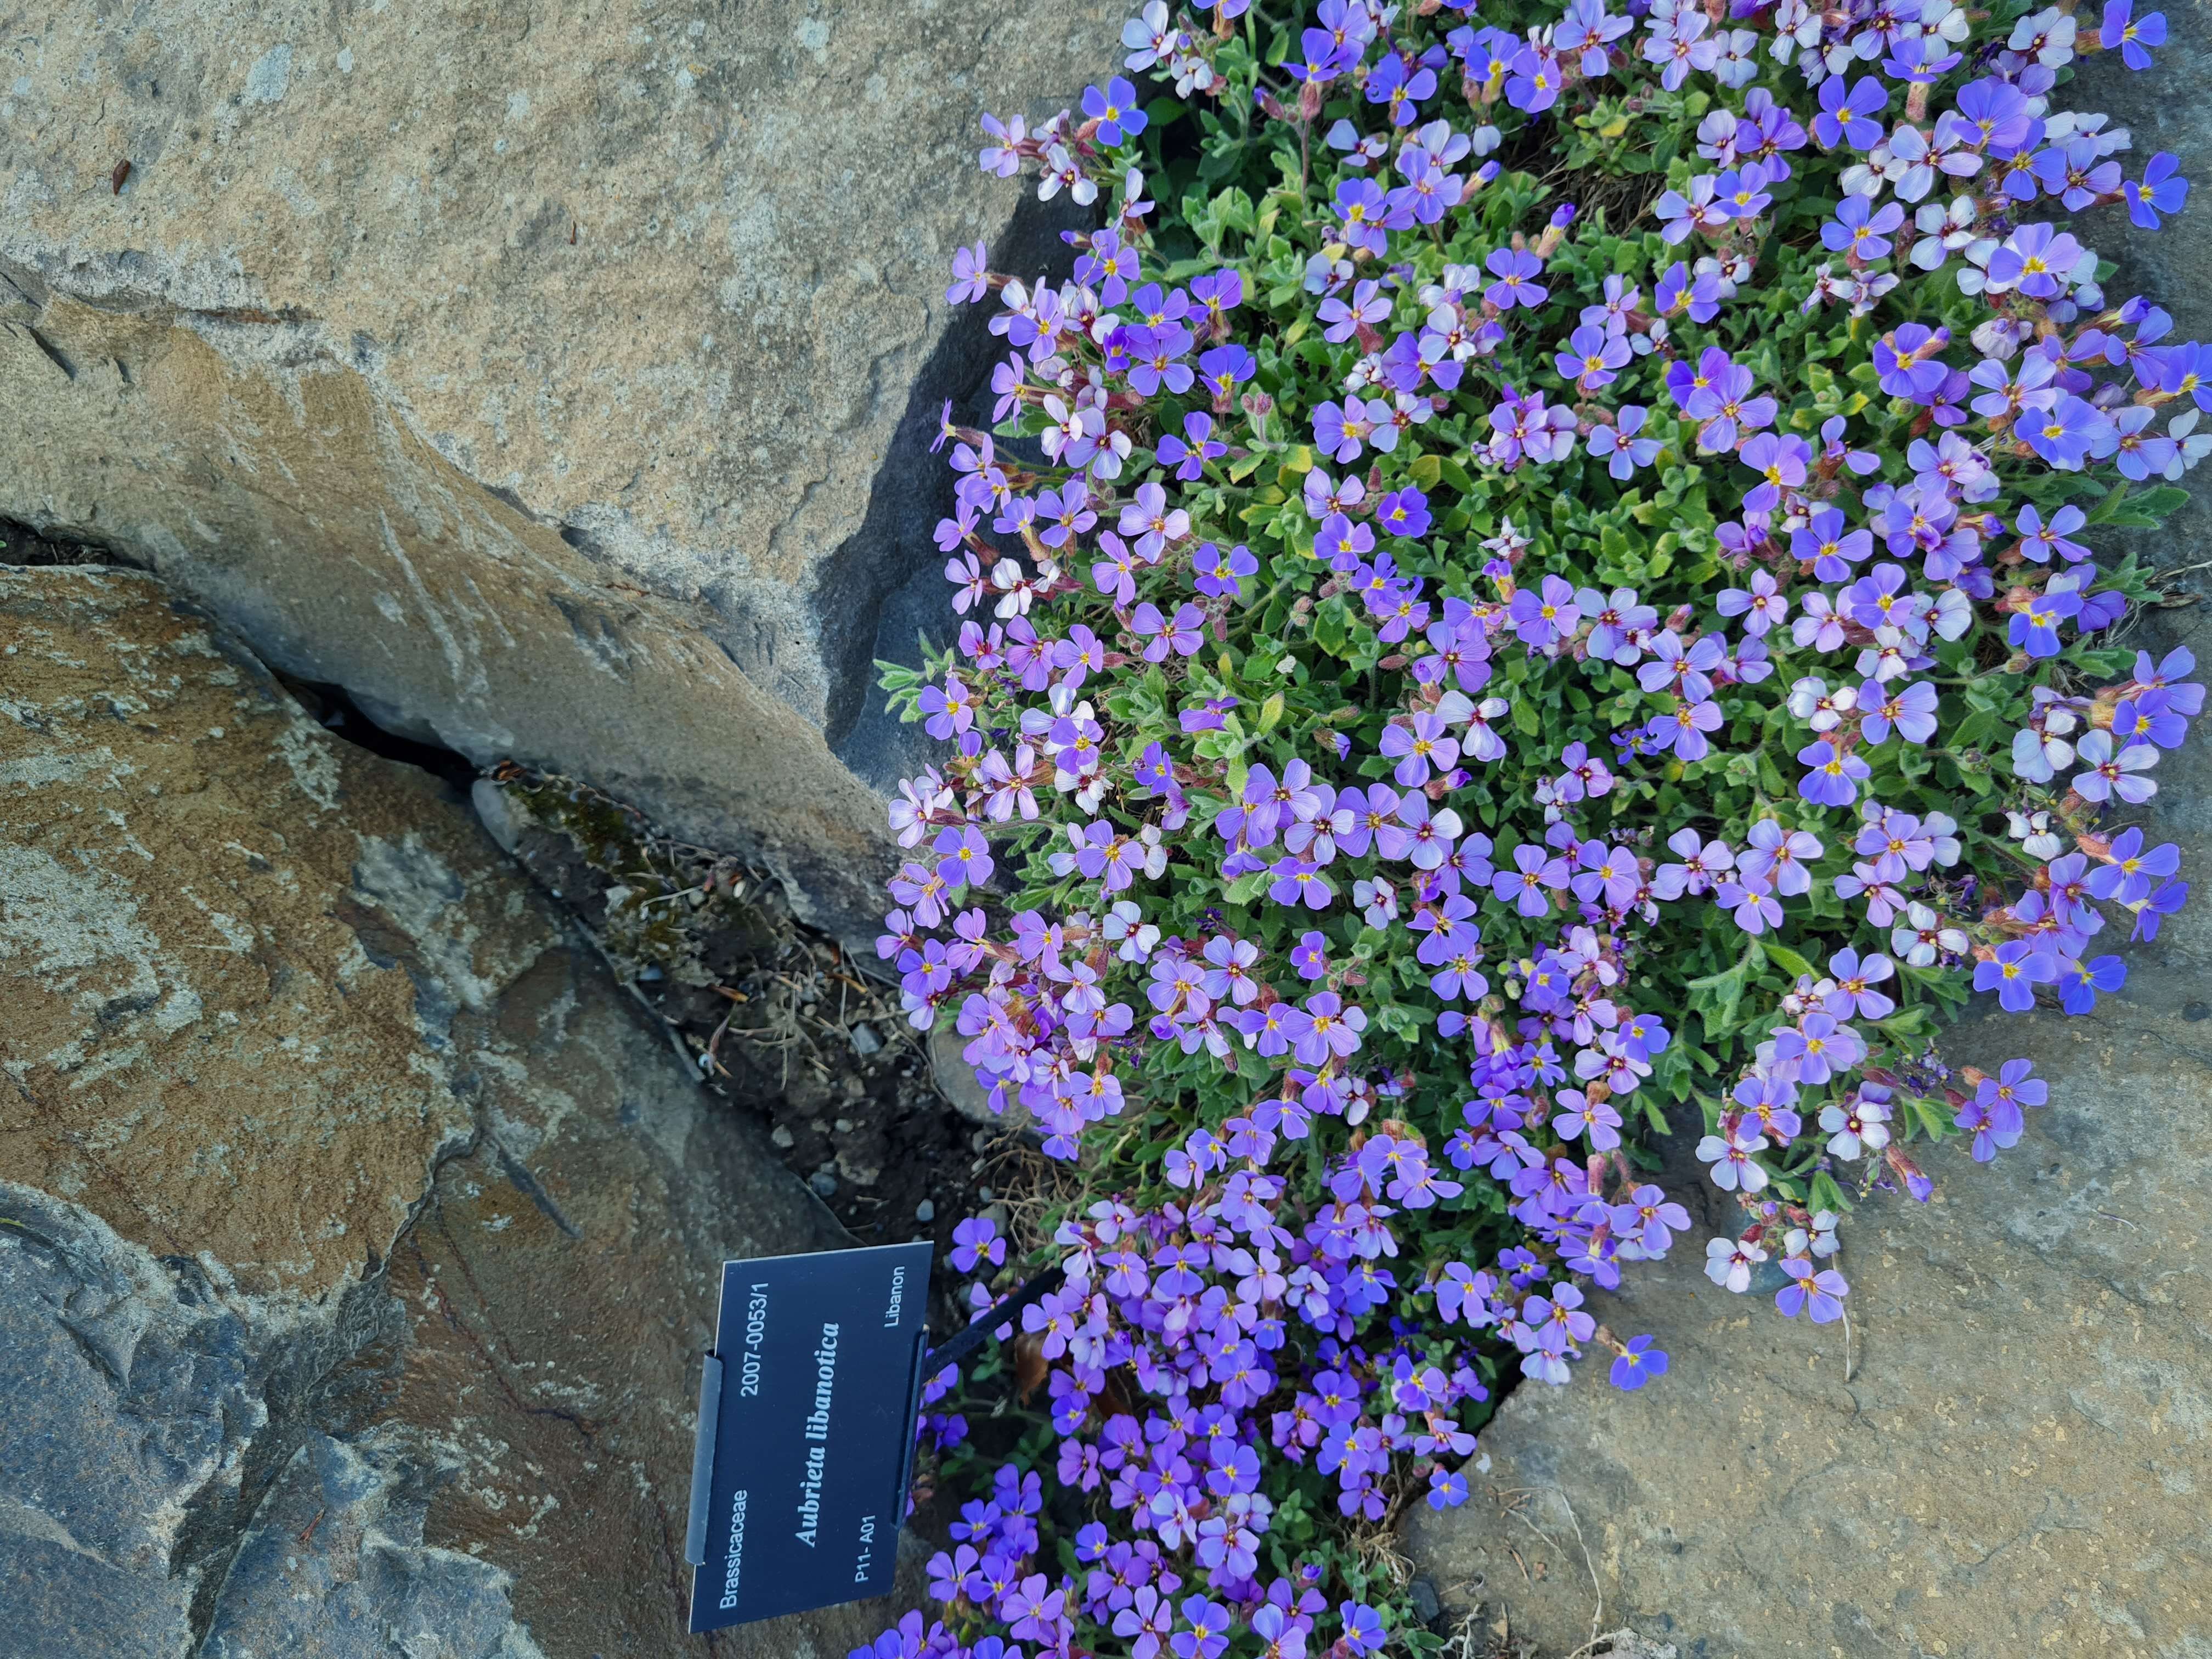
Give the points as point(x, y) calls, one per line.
point(775, 1017)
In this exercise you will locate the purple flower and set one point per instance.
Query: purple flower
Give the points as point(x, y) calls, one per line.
point(1189, 453)
point(1860, 230)
point(1833, 778)
point(1638, 1362)
point(1224, 369)
point(1853, 995)
point(1517, 271)
point(1367, 217)
point(1118, 115)
point(1342, 432)
point(1536, 81)
point(1720, 399)
point(2068, 433)
point(1733, 1161)
point(1208, 1635)
point(1650, 1219)
point(1324, 1027)
point(1905, 362)
point(1392, 83)
point(2114, 775)
point(1370, 306)
point(1403, 512)
point(1362, 1628)
point(2017, 968)
point(2119, 31)
point(976, 1239)
point(1994, 114)
point(1847, 113)
point(1545, 616)
point(1578, 1112)
point(1622, 442)
point(1424, 742)
point(1593, 358)
point(2038, 542)
point(1683, 729)
point(1524, 885)
point(971, 270)
point(1909, 710)
point(2037, 260)
point(1741, 192)
point(2079, 984)
point(2131, 873)
point(2035, 630)
point(1821, 1292)
point(964, 857)
point(1763, 604)
point(1220, 291)
point(1218, 571)
point(2161, 189)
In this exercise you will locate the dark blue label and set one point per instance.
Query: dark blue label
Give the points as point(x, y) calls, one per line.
point(806, 1430)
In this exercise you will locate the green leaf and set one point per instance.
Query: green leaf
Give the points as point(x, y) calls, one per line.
point(1716, 996)
point(1789, 960)
point(2147, 511)
point(1824, 1195)
point(1246, 888)
point(1456, 475)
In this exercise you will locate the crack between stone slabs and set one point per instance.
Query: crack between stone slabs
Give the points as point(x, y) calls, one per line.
point(24, 546)
point(686, 1064)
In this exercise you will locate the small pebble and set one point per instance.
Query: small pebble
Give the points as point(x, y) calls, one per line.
point(1423, 1595)
point(844, 1126)
point(925, 1211)
point(864, 1040)
point(824, 1184)
point(783, 1138)
point(983, 1194)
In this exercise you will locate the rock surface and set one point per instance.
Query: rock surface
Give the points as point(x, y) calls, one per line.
point(358, 1236)
point(556, 378)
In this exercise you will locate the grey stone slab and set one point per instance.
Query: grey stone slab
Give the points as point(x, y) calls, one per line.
point(359, 1237)
point(556, 376)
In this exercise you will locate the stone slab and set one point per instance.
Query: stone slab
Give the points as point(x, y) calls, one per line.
point(358, 1235)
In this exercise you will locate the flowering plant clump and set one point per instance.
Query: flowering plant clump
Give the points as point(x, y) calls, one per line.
point(1549, 588)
